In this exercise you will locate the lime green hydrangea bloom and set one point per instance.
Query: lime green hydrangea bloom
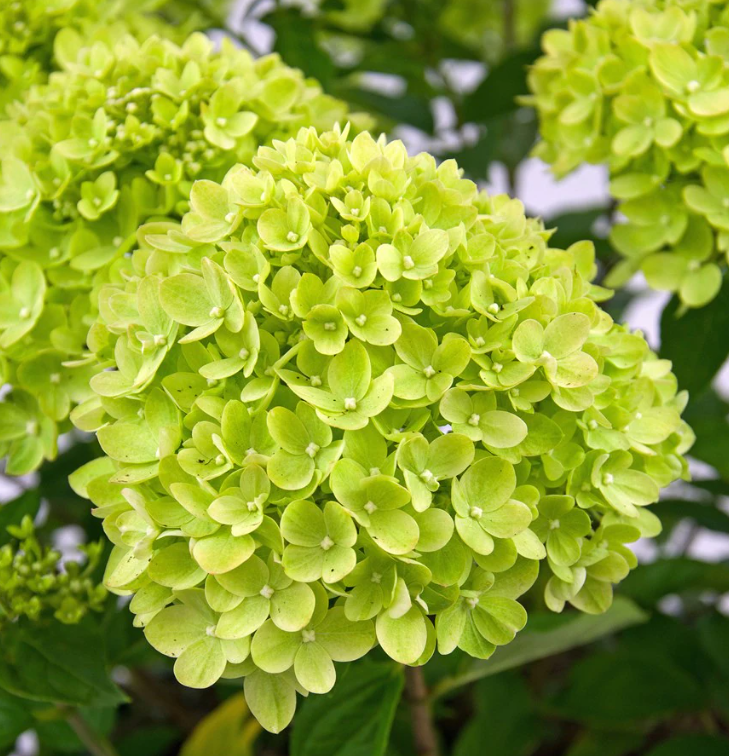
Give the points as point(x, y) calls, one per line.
point(33, 583)
point(641, 86)
point(115, 137)
point(355, 401)
point(28, 28)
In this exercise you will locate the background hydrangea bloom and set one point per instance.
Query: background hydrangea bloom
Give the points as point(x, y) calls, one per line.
point(357, 401)
point(641, 86)
point(115, 137)
point(28, 28)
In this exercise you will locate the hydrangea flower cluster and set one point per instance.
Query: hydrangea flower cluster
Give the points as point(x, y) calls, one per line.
point(32, 582)
point(28, 28)
point(115, 137)
point(357, 401)
point(641, 85)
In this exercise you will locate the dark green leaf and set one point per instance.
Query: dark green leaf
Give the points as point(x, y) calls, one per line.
point(297, 43)
point(617, 688)
point(405, 109)
point(149, 741)
point(668, 638)
point(552, 635)
point(355, 718)
point(713, 633)
point(515, 135)
point(15, 718)
point(715, 486)
point(704, 514)
point(651, 582)
point(57, 663)
point(476, 159)
point(504, 722)
point(697, 342)
point(605, 744)
point(693, 745)
point(125, 644)
point(707, 414)
point(497, 93)
point(504, 139)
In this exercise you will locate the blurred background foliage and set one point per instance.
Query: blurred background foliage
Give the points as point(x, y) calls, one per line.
point(649, 678)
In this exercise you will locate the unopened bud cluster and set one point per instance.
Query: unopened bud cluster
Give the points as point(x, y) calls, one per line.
point(34, 585)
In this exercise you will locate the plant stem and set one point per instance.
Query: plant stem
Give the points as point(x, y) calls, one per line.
point(96, 744)
point(291, 353)
point(421, 713)
point(509, 11)
point(509, 42)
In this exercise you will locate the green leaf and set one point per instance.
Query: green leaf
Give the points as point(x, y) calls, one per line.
point(569, 631)
point(497, 93)
point(605, 743)
point(57, 663)
point(704, 514)
point(707, 416)
point(154, 740)
point(355, 718)
point(651, 582)
point(697, 341)
point(15, 718)
point(407, 108)
point(504, 721)
point(696, 745)
point(633, 686)
point(296, 40)
point(713, 632)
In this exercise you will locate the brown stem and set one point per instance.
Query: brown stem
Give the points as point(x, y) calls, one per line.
point(96, 744)
point(421, 714)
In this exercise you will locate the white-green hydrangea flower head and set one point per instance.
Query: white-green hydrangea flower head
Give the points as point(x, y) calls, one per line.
point(641, 85)
point(28, 28)
point(357, 401)
point(115, 137)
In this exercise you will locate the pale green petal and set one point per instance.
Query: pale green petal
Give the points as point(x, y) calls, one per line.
point(314, 669)
point(274, 650)
point(403, 639)
point(201, 664)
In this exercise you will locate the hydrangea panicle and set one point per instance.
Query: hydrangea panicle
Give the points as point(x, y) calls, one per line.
point(641, 86)
point(114, 138)
point(357, 401)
